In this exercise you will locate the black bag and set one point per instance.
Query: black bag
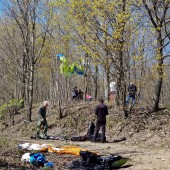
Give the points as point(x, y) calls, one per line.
point(108, 160)
point(89, 158)
point(90, 131)
point(92, 161)
point(98, 167)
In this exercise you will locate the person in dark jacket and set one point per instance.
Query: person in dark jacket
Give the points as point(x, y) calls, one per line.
point(74, 94)
point(101, 111)
point(132, 89)
point(80, 95)
point(42, 122)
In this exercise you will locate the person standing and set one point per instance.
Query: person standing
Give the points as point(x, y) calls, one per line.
point(80, 95)
point(112, 91)
point(74, 94)
point(42, 121)
point(132, 89)
point(101, 111)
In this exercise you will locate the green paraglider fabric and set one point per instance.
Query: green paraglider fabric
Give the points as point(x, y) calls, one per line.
point(67, 69)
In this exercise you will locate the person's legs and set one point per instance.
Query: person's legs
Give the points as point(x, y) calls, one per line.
point(133, 99)
point(38, 129)
point(114, 96)
point(103, 128)
point(45, 129)
point(96, 131)
point(128, 98)
point(73, 98)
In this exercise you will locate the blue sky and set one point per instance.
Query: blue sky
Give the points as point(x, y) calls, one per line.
point(1, 6)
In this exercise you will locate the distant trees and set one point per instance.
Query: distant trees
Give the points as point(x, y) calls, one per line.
point(120, 40)
point(158, 12)
point(8, 110)
point(25, 18)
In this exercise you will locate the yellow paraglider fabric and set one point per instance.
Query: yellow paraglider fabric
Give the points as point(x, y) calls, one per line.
point(64, 69)
point(63, 59)
point(74, 150)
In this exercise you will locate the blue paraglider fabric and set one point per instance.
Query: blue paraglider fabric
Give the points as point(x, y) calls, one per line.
point(37, 159)
point(78, 71)
point(49, 164)
point(60, 55)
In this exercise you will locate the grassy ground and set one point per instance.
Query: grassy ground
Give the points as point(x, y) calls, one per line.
point(141, 157)
point(147, 136)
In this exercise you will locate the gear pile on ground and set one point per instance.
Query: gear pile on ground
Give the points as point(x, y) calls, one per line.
point(92, 161)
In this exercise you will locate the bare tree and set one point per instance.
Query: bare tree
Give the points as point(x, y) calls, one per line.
point(158, 12)
point(33, 31)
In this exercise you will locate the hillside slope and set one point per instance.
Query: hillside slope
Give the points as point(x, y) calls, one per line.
point(141, 126)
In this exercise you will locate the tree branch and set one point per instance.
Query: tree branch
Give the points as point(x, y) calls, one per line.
point(150, 14)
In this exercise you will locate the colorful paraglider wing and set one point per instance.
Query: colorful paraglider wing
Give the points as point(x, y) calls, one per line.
point(80, 72)
point(60, 55)
point(65, 69)
point(62, 68)
point(72, 68)
point(78, 68)
point(63, 59)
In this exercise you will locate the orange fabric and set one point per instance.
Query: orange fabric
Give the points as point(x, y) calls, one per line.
point(66, 150)
point(44, 149)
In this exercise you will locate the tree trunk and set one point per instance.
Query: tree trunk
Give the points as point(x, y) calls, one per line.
point(96, 83)
point(86, 76)
point(23, 78)
point(31, 90)
point(106, 84)
point(158, 86)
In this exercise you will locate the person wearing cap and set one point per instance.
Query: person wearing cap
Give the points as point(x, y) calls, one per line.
point(42, 122)
point(132, 89)
point(101, 111)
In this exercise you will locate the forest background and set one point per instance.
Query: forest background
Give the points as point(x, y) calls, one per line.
point(116, 40)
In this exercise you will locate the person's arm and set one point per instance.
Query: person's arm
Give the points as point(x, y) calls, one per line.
point(40, 114)
point(128, 88)
point(96, 110)
point(106, 111)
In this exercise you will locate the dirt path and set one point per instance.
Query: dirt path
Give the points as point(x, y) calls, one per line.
point(141, 158)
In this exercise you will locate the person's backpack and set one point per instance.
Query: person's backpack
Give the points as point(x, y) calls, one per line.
point(90, 131)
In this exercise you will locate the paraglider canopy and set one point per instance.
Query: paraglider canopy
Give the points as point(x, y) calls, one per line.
point(60, 55)
point(69, 69)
